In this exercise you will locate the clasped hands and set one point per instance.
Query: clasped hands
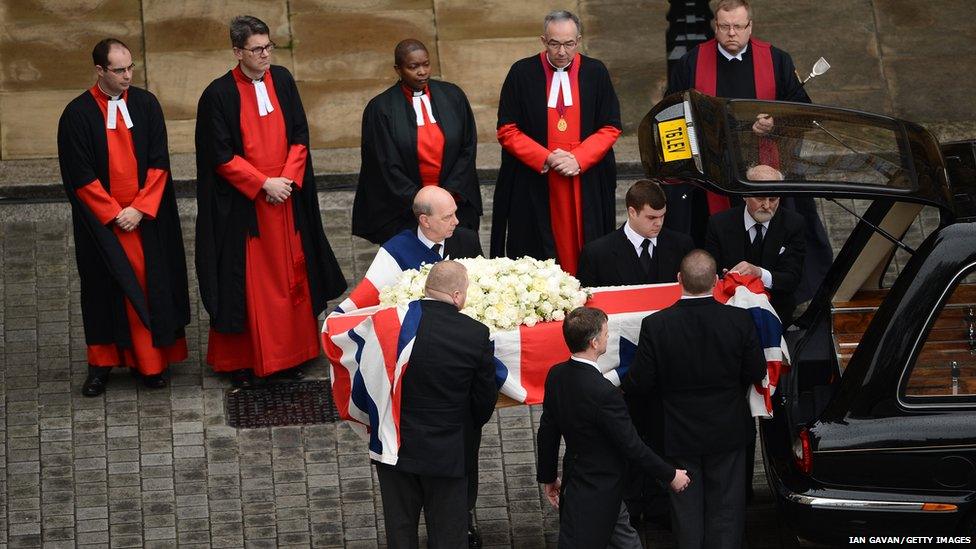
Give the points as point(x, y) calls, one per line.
point(678, 484)
point(128, 219)
point(763, 124)
point(277, 189)
point(563, 162)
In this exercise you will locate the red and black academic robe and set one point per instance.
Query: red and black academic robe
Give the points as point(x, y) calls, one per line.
point(265, 271)
point(546, 215)
point(134, 296)
point(397, 154)
point(765, 72)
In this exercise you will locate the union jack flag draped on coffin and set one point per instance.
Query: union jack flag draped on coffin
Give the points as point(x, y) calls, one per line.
point(369, 352)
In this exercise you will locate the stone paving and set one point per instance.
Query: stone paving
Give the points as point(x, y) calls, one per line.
point(156, 468)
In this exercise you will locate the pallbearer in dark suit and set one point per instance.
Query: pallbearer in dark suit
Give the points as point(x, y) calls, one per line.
point(701, 356)
point(419, 132)
point(128, 242)
point(587, 411)
point(448, 393)
point(761, 239)
point(558, 118)
point(641, 251)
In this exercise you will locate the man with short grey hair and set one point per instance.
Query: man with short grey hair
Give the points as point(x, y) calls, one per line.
point(555, 189)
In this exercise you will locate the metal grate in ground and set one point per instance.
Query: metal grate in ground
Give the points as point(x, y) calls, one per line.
point(279, 404)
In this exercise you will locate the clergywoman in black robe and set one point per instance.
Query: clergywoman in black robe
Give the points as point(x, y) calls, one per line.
point(418, 132)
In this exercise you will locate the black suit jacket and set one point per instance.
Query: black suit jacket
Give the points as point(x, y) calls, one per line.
point(448, 391)
point(585, 409)
point(698, 356)
point(783, 248)
point(463, 243)
point(611, 260)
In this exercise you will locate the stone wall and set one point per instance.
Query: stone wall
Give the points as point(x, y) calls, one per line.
point(889, 56)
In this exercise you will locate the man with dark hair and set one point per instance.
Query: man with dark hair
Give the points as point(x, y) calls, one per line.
point(555, 189)
point(705, 421)
point(264, 265)
point(419, 132)
point(115, 168)
point(587, 411)
point(448, 394)
point(737, 65)
point(642, 250)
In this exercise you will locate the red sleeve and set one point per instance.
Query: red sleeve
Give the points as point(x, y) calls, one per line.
point(99, 201)
point(243, 176)
point(522, 147)
point(295, 164)
point(595, 147)
point(148, 198)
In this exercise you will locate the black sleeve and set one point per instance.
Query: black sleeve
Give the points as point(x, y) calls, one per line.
point(788, 84)
point(463, 170)
point(76, 153)
point(508, 100)
point(713, 244)
point(158, 141)
point(548, 438)
point(586, 271)
point(299, 130)
point(616, 423)
point(640, 379)
point(484, 392)
point(680, 79)
point(380, 150)
point(608, 105)
point(789, 268)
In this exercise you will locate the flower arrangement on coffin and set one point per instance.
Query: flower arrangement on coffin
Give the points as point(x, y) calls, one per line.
point(502, 293)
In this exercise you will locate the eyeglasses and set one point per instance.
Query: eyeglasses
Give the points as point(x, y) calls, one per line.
point(258, 50)
point(121, 70)
point(554, 46)
point(738, 28)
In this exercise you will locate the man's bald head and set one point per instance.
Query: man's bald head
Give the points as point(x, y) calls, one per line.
point(698, 273)
point(763, 172)
point(447, 282)
point(435, 211)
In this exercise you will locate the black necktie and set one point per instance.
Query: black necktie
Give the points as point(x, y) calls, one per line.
point(436, 248)
point(755, 251)
point(645, 256)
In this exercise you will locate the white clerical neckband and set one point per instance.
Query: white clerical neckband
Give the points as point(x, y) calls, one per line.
point(116, 106)
point(560, 83)
point(420, 97)
point(261, 93)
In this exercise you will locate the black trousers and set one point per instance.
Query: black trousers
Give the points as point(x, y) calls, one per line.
point(711, 512)
point(442, 499)
point(472, 470)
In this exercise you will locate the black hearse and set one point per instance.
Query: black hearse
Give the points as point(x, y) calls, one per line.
point(874, 427)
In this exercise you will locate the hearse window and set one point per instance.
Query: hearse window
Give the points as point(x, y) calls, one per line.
point(945, 365)
point(838, 147)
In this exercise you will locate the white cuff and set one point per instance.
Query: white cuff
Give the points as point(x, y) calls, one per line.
point(767, 278)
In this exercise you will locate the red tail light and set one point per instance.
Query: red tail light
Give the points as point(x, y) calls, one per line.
point(802, 455)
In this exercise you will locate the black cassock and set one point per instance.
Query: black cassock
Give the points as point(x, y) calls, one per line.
point(225, 217)
point(107, 278)
point(390, 174)
point(687, 211)
point(521, 202)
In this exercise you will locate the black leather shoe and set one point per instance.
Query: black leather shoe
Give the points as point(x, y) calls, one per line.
point(295, 373)
point(154, 382)
point(96, 381)
point(474, 536)
point(242, 378)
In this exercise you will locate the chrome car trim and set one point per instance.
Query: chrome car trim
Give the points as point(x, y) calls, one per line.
point(858, 504)
point(892, 449)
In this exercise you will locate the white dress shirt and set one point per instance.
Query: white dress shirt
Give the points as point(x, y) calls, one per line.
point(587, 361)
point(637, 240)
point(750, 225)
point(430, 243)
point(729, 56)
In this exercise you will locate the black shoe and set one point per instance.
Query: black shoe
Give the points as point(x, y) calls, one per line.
point(154, 381)
point(242, 378)
point(474, 536)
point(96, 381)
point(295, 374)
